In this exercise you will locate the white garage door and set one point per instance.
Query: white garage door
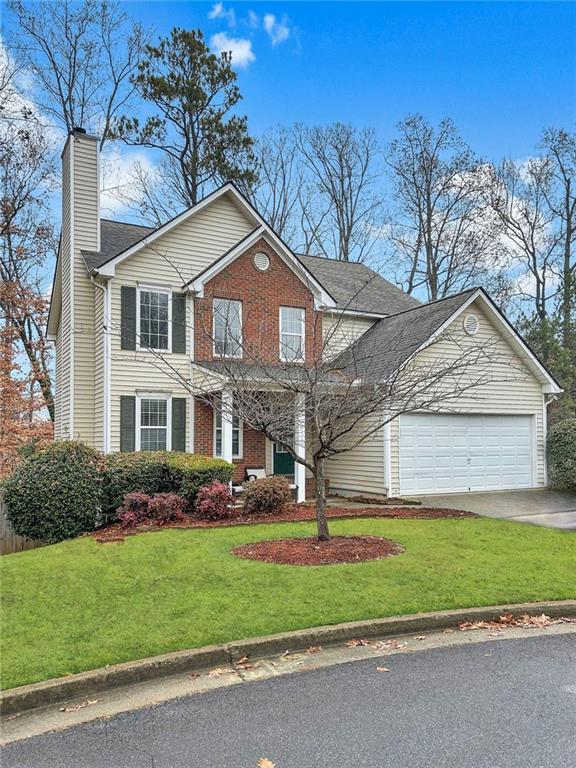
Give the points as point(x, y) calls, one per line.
point(442, 453)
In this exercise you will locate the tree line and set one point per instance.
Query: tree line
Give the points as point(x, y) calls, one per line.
point(425, 210)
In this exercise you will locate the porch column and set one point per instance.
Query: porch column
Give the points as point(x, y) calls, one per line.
point(300, 445)
point(227, 405)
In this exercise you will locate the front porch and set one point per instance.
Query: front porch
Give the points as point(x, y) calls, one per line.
point(218, 431)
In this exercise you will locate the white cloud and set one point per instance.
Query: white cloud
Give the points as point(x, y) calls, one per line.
point(277, 31)
point(253, 19)
point(240, 48)
point(219, 12)
point(119, 169)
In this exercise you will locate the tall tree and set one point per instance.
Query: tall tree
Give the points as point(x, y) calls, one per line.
point(26, 236)
point(81, 57)
point(442, 232)
point(341, 204)
point(192, 93)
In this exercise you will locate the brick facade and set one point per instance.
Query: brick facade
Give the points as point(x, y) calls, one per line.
point(262, 294)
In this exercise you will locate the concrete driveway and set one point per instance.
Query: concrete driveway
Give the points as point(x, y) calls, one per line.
point(553, 509)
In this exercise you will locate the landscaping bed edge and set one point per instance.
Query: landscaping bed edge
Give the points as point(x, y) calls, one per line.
point(48, 692)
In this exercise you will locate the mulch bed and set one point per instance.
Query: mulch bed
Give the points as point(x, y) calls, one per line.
point(293, 514)
point(310, 551)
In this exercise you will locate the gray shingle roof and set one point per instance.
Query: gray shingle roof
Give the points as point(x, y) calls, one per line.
point(353, 286)
point(382, 349)
point(356, 287)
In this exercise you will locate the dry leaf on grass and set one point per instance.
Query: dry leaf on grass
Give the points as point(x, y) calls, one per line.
point(265, 763)
point(76, 707)
point(382, 669)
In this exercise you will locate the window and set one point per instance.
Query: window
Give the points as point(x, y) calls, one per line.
point(154, 309)
point(236, 434)
point(227, 328)
point(292, 334)
point(153, 418)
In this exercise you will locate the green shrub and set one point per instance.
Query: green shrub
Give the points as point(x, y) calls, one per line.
point(561, 450)
point(139, 472)
point(268, 496)
point(56, 494)
point(190, 471)
point(159, 472)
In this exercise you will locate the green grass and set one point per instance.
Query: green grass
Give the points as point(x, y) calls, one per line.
point(80, 605)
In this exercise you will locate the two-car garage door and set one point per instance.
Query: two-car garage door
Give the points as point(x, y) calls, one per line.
point(441, 453)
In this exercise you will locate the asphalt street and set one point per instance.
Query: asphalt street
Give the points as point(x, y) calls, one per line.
point(503, 704)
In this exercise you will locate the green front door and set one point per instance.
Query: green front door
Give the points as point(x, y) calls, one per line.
point(283, 462)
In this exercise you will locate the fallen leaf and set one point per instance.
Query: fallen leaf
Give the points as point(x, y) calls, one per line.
point(243, 660)
point(265, 763)
point(219, 671)
point(14, 716)
point(382, 669)
point(509, 620)
point(314, 648)
point(421, 637)
point(194, 675)
point(76, 707)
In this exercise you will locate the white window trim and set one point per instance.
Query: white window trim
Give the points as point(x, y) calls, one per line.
point(303, 334)
point(240, 341)
point(153, 289)
point(240, 453)
point(153, 396)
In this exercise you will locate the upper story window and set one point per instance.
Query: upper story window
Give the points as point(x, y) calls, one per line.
point(227, 328)
point(154, 319)
point(292, 334)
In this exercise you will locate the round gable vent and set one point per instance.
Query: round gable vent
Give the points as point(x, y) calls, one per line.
point(471, 325)
point(261, 261)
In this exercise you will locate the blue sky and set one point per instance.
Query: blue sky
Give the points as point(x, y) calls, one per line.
point(502, 71)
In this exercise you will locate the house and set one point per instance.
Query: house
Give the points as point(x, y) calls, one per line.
point(122, 290)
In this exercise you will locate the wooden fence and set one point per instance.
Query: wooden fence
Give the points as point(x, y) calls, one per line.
point(9, 541)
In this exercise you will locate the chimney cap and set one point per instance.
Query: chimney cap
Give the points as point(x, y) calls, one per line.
point(78, 129)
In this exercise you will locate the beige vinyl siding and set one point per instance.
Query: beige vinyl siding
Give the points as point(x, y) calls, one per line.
point(64, 335)
point(99, 369)
point(339, 331)
point(86, 224)
point(513, 390)
point(172, 260)
point(362, 469)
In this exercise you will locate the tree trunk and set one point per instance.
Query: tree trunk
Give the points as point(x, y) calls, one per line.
point(322, 522)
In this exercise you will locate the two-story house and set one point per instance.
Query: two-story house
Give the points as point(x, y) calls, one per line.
point(129, 301)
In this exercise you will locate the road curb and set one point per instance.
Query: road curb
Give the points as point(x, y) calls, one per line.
point(36, 695)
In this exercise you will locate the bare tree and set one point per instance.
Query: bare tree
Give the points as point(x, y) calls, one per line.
point(340, 399)
point(81, 57)
point(341, 205)
point(442, 231)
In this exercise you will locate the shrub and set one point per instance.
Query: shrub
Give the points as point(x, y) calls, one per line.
point(134, 509)
point(190, 472)
point(561, 450)
point(56, 494)
point(214, 501)
point(268, 496)
point(128, 473)
point(155, 472)
point(166, 508)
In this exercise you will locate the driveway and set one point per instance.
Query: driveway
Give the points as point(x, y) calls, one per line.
point(501, 704)
point(553, 509)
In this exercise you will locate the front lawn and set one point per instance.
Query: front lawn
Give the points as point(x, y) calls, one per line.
point(80, 605)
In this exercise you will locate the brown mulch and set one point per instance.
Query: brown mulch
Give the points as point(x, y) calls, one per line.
point(310, 551)
point(293, 514)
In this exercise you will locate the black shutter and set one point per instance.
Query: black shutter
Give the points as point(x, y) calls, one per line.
point(127, 423)
point(179, 322)
point(127, 317)
point(178, 423)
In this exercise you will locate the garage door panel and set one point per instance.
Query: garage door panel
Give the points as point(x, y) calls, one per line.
point(455, 453)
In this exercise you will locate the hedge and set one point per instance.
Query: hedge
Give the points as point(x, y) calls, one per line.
point(159, 472)
point(561, 450)
point(56, 494)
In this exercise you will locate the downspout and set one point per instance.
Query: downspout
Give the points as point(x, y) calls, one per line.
point(106, 349)
point(547, 402)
